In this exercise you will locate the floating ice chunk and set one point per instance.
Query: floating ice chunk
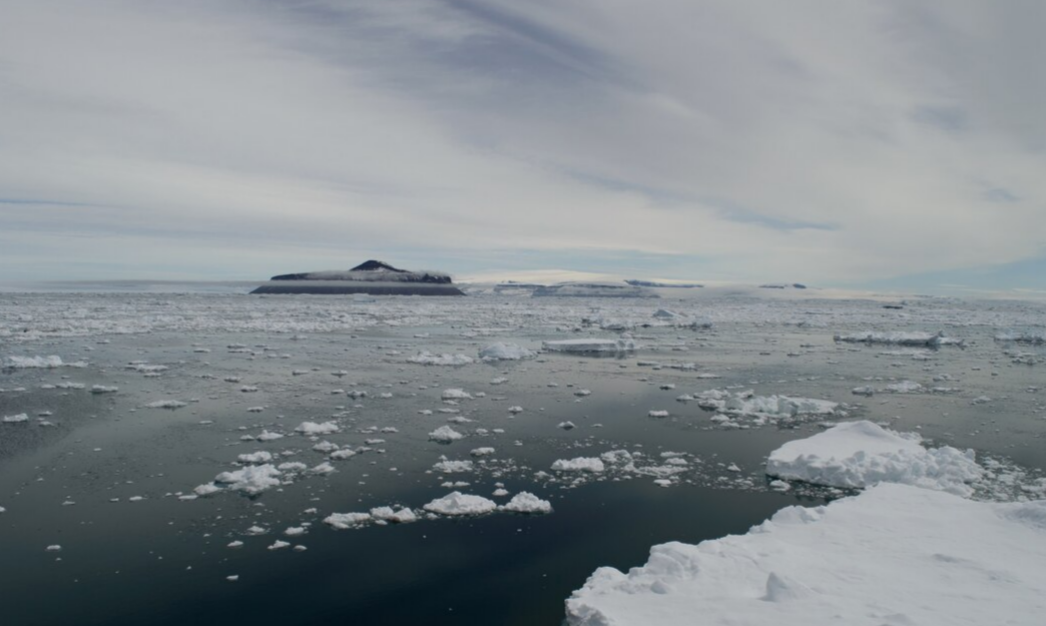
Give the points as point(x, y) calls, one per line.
point(524, 502)
point(234, 544)
point(345, 521)
point(905, 386)
point(53, 548)
point(341, 455)
point(456, 394)
point(863, 391)
point(252, 479)
point(15, 419)
point(312, 428)
point(452, 467)
point(861, 454)
point(515, 410)
point(896, 338)
point(505, 352)
point(892, 555)
point(255, 409)
point(657, 413)
point(166, 404)
point(325, 446)
point(624, 343)
point(279, 545)
point(207, 489)
point(39, 362)
point(292, 467)
point(100, 389)
point(269, 436)
point(482, 452)
point(445, 434)
point(566, 425)
point(322, 468)
point(457, 503)
point(427, 358)
point(579, 464)
point(260, 456)
point(2, 510)
point(295, 531)
point(386, 514)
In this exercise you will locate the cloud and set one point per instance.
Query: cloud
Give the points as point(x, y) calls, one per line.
point(831, 143)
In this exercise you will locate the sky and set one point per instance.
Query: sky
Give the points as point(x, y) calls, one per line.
point(894, 144)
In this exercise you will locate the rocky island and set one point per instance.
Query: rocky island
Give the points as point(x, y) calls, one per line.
point(372, 278)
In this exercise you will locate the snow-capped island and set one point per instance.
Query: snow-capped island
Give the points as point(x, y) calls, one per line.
point(371, 277)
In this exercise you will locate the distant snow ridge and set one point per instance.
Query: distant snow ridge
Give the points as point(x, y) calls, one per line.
point(893, 555)
point(594, 290)
point(861, 454)
point(505, 352)
point(39, 362)
point(898, 338)
point(624, 343)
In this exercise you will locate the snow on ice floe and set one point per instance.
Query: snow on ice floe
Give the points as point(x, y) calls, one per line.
point(524, 502)
point(445, 434)
point(102, 389)
point(762, 410)
point(386, 514)
point(894, 555)
point(39, 362)
point(15, 419)
point(455, 394)
point(312, 428)
point(579, 464)
point(251, 480)
point(861, 454)
point(427, 358)
point(624, 343)
point(505, 352)
point(460, 504)
point(346, 521)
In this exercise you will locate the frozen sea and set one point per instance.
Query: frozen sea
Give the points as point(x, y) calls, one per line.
point(92, 462)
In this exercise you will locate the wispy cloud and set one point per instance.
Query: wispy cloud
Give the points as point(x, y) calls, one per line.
point(811, 141)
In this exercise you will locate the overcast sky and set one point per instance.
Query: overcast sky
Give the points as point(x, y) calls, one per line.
point(886, 143)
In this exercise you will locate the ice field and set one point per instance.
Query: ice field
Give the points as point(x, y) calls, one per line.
point(500, 459)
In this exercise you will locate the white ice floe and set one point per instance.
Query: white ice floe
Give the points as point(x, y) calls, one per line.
point(15, 419)
point(624, 343)
point(269, 436)
point(101, 389)
point(313, 428)
point(895, 338)
point(387, 514)
point(861, 454)
point(478, 452)
point(456, 394)
point(905, 386)
point(427, 358)
point(39, 362)
point(340, 455)
point(251, 480)
point(445, 434)
point(505, 352)
point(452, 467)
point(457, 503)
point(524, 502)
point(763, 409)
point(260, 456)
point(345, 521)
point(894, 555)
point(657, 413)
point(579, 464)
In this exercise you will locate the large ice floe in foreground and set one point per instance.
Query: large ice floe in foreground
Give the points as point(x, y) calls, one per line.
point(861, 454)
point(371, 277)
point(894, 555)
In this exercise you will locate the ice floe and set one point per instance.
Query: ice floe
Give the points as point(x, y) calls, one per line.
point(861, 454)
point(427, 358)
point(460, 504)
point(624, 343)
point(445, 434)
point(524, 502)
point(579, 464)
point(251, 480)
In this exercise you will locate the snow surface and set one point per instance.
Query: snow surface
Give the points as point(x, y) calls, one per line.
point(457, 503)
point(895, 555)
point(861, 454)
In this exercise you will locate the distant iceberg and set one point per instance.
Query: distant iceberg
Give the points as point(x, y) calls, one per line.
point(595, 290)
point(372, 277)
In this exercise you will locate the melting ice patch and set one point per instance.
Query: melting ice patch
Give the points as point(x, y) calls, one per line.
point(861, 454)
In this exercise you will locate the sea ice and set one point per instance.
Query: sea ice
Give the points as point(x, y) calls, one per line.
point(312, 428)
point(893, 555)
point(625, 343)
point(524, 502)
point(345, 521)
point(427, 358)
point(252, 479)
point(896, 338)
point(445, 434)
point(861, 454)
point(457, 503)
point(580, 464)
point(14, 419)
